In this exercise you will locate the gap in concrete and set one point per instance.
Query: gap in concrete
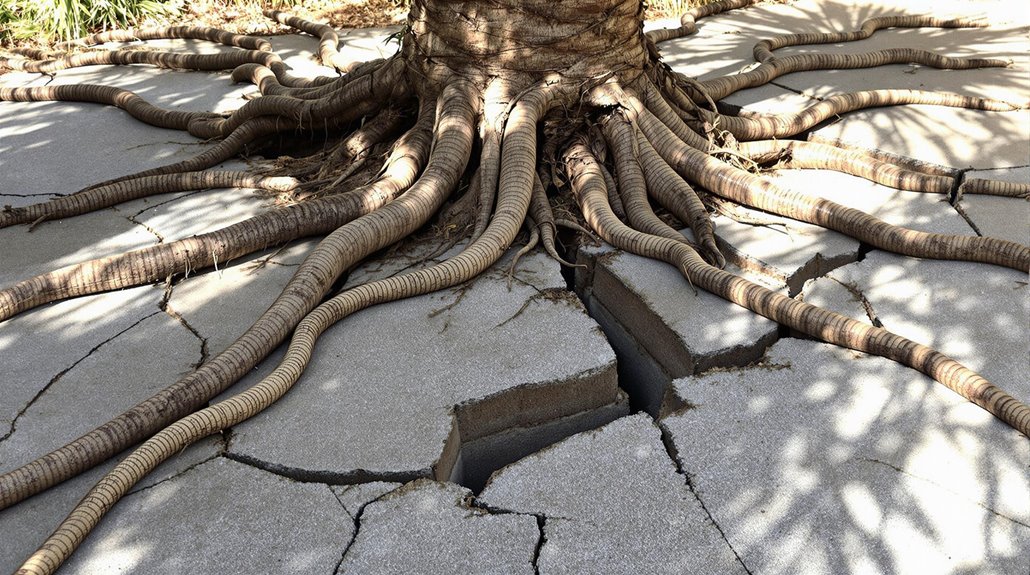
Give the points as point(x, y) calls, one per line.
point(495, 431)
point(478, 459)
point(645, 379)
point(492, 432)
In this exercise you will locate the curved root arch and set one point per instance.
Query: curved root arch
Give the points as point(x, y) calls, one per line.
point(623, 136)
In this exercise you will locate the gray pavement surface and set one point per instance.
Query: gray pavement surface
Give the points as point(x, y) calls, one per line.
point(620, 424)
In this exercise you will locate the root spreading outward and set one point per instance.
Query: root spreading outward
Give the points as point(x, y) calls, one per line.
point(572, 100)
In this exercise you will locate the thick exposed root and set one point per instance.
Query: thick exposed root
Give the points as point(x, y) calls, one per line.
point(105, 196)
point(786, 125)
point(611, 102)
point(132, 103)
point(795, 154)
point(341, 249)
point(748, 189)
point(588, 185)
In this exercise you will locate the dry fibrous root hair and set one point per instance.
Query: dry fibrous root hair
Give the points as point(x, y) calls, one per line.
point(571, 106)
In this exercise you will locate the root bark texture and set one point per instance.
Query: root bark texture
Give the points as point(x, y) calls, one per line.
point(535, 103)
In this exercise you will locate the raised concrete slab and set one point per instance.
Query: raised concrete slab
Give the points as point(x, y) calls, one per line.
point(104, 383)
point(431, 527)
point(823, 460)
point(786, 251)
point(418, 379)
point(799, 479)
point(611, 501)
point(647, 305)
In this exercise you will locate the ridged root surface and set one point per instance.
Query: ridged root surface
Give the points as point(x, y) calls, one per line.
point(571, 103)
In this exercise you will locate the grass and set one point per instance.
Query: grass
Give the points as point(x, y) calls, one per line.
point(43, 22)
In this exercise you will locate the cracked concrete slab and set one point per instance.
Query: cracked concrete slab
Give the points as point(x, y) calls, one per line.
point(490, 359)
point(25, 525)
point(995, 216)
point(431, 527)
point(40, 345)
point(100, 386)
point(684, 330)
point(787, 251)
point(824, 460)
point(976, 314)
point(913, 210)
point(835, 462)
point(238, 519)
point(613, 503)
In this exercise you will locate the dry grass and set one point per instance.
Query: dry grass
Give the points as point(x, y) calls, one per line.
point(245, 16)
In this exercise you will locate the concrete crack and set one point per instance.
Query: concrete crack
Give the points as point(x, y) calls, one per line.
point(50, 195)
point(965, 216)
point(935, 484)
point(160, 238)
point(53, 381)
point(541, 522)
point(673, 453)
point(860, 297)
point(796, 91)
point(955, 199)
point(166, 307)
point(541, 525)
point(178, 474)
point(357, 517)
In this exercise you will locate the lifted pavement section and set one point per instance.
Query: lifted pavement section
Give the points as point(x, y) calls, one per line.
point(441, 433)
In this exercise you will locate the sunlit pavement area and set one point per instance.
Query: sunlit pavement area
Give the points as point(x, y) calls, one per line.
point(608, 419)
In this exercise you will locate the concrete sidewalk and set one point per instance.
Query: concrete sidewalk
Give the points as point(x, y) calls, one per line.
point(608, 421)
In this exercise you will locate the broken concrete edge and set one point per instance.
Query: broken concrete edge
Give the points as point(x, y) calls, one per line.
point(467, 457)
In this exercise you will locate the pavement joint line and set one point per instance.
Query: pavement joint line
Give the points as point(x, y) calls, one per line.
point(166, 306)
point(157, 234)
point(670, 449)
point(357, 525)
point(354, 536)
point(867, 305)
point(28, 405)
point(962, 496)
point(175, 476)
point(965, 216)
